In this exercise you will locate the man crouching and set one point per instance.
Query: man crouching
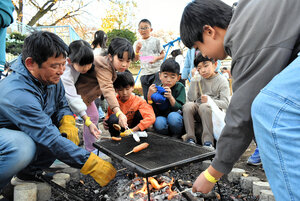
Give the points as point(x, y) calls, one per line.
point(34, 112)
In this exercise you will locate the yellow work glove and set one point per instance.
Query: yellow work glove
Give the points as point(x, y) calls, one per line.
point(126, 133)
point(67, 126)
point(102, 171)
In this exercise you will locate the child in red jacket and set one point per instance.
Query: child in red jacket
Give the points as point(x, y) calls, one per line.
point(139, 113)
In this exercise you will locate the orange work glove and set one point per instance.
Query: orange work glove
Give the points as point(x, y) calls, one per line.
point(67, 126)
point(102, 171)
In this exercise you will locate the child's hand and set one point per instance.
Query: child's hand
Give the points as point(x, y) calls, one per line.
point(152, 89)
point(94, 130)
point(155, 59)
point(204, 99)
point(138, 47)
point(168, 93)
point(193, 71)
point(105, 125)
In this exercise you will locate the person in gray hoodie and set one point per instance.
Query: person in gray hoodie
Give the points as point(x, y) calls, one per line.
point(262, 37)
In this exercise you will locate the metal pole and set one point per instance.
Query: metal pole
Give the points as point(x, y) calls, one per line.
point(168, 50)
point(137, 75)
point(148, 189)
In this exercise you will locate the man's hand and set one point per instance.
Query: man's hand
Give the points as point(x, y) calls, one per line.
point(67, 126)
point(94, 130)
point(204, 99)
point(102, 171)
point(202, 185)
point(123, 120)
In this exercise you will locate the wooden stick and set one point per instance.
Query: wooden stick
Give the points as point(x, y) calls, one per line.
point(128, 153)
point(199, 84)
point(174, 193)
point(188, 189)
point(121, 169)
point(105, 137)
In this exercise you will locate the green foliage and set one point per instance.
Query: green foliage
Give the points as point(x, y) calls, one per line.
point(124, 33)
point(14, 43)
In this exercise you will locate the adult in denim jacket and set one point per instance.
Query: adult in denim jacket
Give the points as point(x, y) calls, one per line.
point(34, 112)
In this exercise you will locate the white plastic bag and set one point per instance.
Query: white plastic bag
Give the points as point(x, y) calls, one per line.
point(218, 118)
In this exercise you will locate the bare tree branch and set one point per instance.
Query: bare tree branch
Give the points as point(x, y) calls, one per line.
point(43, 10)
point(35, 4)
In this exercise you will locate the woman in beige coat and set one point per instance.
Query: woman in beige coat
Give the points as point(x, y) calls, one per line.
point(99, 81)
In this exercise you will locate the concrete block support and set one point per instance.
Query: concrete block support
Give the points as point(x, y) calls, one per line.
point(73, 172)
point(205, 164)
point(258, 186)
point(247, 182)
point(43, 192)
point(63, 176)
point(60, 182)
point(25, 192)
point(266, 195)
point(235, 174)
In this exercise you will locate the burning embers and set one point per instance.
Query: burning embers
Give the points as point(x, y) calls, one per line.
point(160, 189)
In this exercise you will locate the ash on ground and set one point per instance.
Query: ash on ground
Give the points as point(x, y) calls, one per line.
point(119, 188)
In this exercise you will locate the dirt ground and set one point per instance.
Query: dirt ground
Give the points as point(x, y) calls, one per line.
point(256, 171)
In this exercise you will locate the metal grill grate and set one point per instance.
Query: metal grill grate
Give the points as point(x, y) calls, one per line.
point(163, 153)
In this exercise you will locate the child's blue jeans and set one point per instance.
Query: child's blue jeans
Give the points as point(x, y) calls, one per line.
point(276, 120)
point(171, 125)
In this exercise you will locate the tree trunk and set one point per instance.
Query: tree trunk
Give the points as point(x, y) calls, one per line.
point(41, 13)
point(19, 11)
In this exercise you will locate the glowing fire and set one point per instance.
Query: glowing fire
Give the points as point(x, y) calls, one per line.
point(154, 185)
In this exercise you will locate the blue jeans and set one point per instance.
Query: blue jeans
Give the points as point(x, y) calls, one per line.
point(17, 150)
point(171, 125)
point(276, 121)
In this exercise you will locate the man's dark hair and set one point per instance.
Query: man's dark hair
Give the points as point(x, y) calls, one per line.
point(43, 44)
point(199, 58)
point(120, 45)
point(171, 66)
point(199, 13)
point(100, 38)
point(145, 21)
point(81, 52)
point(124, 79)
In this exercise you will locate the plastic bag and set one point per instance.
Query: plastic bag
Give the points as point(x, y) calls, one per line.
point(218, 118)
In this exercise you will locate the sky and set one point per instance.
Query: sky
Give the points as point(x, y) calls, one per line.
point(163, 14)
